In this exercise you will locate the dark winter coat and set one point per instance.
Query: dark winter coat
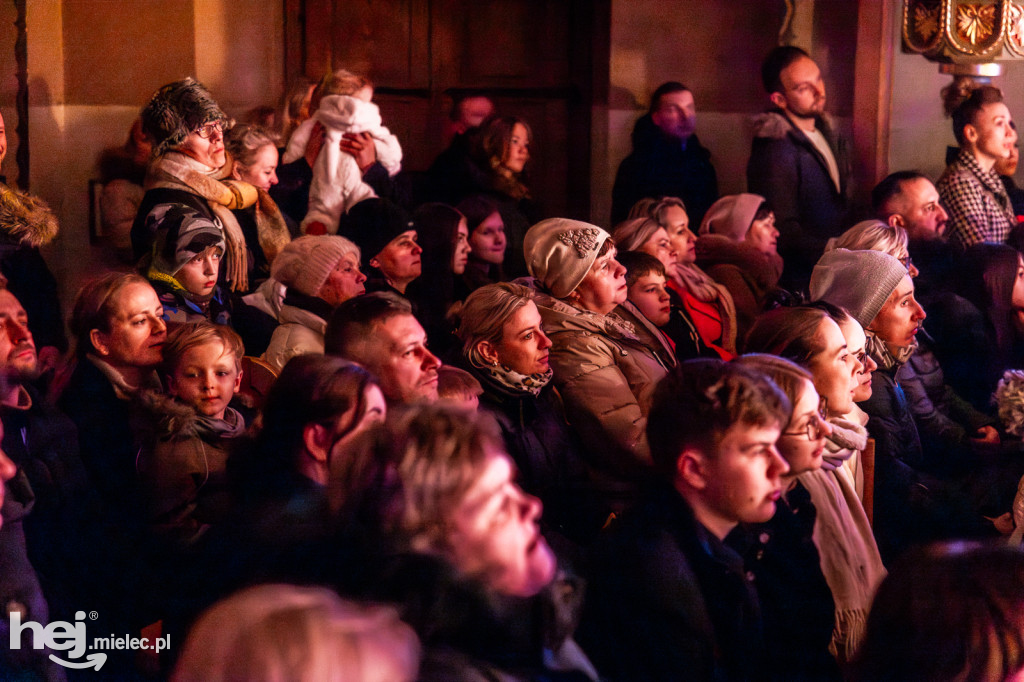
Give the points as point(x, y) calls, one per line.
point(661, 166)
point(667, 600)
point(788, 170)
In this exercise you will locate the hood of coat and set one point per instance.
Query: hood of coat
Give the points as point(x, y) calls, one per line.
point(715, 249)
point(26, 219)
point(775, 125)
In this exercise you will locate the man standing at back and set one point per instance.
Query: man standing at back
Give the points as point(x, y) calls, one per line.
point(798, 163)
point(668, 159)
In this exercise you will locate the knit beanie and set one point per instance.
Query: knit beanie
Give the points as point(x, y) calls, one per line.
point(305, 263)
point(859, 281)
point(559, 252)
point(373, 223)
point(177, 109)
point(183, 235)
point(631, 235)
point(731, 216)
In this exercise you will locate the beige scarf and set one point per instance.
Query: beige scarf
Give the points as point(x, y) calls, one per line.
point(703, 288)
point(179, 171)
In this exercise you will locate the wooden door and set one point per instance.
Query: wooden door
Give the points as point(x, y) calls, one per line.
point(532, 57)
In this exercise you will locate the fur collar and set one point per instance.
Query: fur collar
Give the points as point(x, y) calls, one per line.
point(25, 218)
point(776, 125)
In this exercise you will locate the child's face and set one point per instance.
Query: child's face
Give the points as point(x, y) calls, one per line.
point(648, 293)
point(206, 378)
point(364, 93)
point(199, 275)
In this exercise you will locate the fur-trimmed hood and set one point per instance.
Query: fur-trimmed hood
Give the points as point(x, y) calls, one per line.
point(172, 419)
point(775, 125)
point(26, 219)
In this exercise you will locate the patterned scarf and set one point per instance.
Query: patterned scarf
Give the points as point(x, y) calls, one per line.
point(178, 171)
point(885, 355)
point(508, 378)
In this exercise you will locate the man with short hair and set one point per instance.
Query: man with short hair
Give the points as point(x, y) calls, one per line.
point(798, 162)
point(667, 598)
point(667, 158)
point(378, 331)
point(908, 199)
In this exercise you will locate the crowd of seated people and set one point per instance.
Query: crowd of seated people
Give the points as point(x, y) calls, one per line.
point(339, 421)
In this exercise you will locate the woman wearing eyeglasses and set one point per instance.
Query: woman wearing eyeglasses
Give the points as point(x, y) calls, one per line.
point(186, 182)
point(824, 457)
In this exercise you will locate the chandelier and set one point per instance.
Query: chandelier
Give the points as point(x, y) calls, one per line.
point(965, 36)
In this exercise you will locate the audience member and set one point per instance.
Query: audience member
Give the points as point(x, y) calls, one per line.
point(295, 107)
point(182, 468)
point(505, 348)
point(444, 237)
point(648, 307)
point(971, 191)
point(344, 107)
point(458, 387)
point(796, 603)
point(473, 574)
point(123, 172)
point(667, 158)
point(602, 370)
point(468, 113)
point(737, 248)
point(798, 162)
point(387, 235)
point(273, 632)
point(947, 612)
point(320, 272)
point(667, 598)
point(379, 331)
point(487, 242)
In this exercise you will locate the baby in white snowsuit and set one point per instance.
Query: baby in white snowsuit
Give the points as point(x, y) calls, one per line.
point(337, 181)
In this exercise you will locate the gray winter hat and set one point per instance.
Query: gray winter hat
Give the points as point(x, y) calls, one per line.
point(175, 110)
point(560, 251)
point(859, 281)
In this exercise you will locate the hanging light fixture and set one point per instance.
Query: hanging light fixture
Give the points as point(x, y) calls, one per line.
point(965, 37)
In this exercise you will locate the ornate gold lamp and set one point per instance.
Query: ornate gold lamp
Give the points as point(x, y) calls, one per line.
point(965, 36)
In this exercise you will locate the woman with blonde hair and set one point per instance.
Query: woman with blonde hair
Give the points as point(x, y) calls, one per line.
point(273, 633)
point(505, 348)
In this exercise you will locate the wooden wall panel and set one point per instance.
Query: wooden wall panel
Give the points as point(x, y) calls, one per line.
point(386, 39)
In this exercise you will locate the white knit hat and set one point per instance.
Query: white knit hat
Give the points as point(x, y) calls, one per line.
point(859, 281)
point(560, 251)
point(305, 263)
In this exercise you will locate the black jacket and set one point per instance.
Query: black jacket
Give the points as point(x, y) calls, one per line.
point(667, 600)
point(788, 170)
point(660, 166)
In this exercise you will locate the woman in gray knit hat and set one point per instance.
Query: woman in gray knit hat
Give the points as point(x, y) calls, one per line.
point(187, 175)
point(603, 370)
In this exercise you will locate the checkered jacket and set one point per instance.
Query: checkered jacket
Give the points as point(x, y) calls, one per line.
point(979, 209)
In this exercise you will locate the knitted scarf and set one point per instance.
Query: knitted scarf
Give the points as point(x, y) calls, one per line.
point(694, 280)
point(847, 438)
point(885, 355)
point(201, 300)
point(178, 171)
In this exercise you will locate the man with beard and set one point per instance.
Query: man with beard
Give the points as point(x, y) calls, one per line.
point(668, 159)
point(798, 162)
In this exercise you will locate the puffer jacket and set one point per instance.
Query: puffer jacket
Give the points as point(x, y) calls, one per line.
point(750, 275)
point(301, 332)
point(788, 170)
point(606, 376)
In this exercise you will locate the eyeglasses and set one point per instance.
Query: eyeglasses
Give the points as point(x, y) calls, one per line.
point(210, 129)
point(907, 261)
point(816, 426)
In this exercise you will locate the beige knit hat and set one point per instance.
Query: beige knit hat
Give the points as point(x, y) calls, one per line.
point(731, 216)
point(305, 263)
point(859, 281)
point(560, 251)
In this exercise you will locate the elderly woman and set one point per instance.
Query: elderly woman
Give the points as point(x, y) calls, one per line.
point(504, 347)
point(736, 248)
point(456, 525)
point(183, 182)
point(603, 370)
point(320, 272)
